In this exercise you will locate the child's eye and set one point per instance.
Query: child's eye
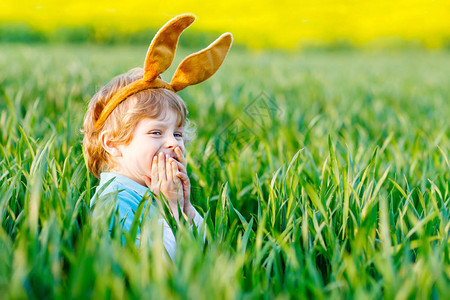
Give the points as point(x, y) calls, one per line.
point(178, 134)
point(155, 132)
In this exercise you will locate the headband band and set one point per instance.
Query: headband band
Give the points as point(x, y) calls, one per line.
point(193, 69)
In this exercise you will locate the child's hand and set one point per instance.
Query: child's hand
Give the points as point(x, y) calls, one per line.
point(188, 209)
point(164, 180)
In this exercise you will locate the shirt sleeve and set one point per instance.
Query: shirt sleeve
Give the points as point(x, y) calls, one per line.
point(126, 212)
point(115, 195)
point(200, 224)
point(168, 236)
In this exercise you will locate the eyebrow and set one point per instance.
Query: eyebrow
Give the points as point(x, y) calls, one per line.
point(161, 124)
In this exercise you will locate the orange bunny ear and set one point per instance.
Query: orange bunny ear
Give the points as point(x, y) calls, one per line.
point(162, 49)
point(200, 66)
point(193, 69)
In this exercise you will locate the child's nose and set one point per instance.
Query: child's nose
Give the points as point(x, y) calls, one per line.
point(171, 142)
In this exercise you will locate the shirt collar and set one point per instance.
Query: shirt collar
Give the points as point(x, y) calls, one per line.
point(127, 182)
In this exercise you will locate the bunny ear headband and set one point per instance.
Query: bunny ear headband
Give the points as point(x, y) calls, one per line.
point(193, 69)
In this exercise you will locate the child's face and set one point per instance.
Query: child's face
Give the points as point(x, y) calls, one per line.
point(150, 137)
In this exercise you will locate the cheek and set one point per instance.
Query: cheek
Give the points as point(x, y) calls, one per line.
point(181, 145)
point(154, 150)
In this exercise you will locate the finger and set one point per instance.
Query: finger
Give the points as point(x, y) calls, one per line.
point(162, 166)
point(180, 148)
point(183, 177)
point(180, 155)
point(184, 181)
point(169, 174)
point(174, 171)
point(147, 180)
point(154, 171)
point(181, 167)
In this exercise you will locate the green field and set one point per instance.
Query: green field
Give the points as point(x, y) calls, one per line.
point(319, 174)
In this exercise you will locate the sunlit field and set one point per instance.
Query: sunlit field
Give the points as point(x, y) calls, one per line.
point(291, 24)
point(320, 175)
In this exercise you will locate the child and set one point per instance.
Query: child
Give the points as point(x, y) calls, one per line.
point(135, 129)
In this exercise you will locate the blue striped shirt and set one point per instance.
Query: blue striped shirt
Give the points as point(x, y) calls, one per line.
point(129, 195)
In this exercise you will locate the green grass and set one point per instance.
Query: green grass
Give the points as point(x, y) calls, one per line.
point(340, 189)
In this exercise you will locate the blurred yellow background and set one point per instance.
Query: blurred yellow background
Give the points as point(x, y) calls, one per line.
point(258, 24)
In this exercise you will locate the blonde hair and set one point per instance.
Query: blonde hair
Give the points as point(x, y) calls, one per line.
point(150, 103)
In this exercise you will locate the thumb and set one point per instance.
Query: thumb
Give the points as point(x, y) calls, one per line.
point(182, 176)
point(147, 181)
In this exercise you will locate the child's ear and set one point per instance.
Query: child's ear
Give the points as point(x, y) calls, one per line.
point(109, 145)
